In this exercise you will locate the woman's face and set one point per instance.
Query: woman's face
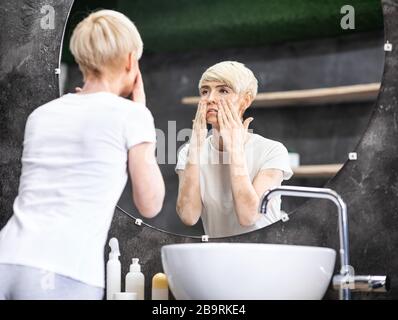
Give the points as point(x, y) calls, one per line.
point(211, 92)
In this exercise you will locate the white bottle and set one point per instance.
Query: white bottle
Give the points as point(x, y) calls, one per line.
point(113, 270)
point(135, 280)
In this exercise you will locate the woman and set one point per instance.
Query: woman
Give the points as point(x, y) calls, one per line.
point(223, 176)
point(77, 150)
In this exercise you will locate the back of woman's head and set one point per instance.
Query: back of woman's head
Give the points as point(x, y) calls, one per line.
point(103, 40)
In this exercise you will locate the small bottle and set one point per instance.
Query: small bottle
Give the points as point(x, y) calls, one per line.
point(135, 280)
point(160, 287)
point(113, 270)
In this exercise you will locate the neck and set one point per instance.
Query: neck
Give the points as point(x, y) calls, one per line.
point(93, 85)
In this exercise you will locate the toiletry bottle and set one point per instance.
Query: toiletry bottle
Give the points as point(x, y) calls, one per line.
point(160, 287)
point(135, 280)
point(113, 270)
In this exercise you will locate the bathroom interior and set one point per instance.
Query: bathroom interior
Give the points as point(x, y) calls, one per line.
point(327, 91)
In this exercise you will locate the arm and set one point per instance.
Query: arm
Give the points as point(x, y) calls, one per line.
point(189, 202)
point(246, 195)
point(146, 178)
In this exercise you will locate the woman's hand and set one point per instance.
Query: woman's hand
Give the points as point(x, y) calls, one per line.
point(199, 134)
point(199, 127)
point(189, 202)
point(232, 130)
point(138, 92)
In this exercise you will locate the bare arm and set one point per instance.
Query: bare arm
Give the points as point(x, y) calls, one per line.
point(146, 178)
point(247, 195)
point(189, 202)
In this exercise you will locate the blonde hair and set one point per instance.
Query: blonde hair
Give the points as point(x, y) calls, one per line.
point(102, 39)
point(234, 74)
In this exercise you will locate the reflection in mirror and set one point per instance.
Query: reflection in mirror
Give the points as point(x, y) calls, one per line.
point(222, 176)
point(316, 89)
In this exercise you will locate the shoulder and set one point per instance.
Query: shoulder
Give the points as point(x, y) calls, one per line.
point(131, 107)
point(45, 108)
point(131, 112)
point(267, 145)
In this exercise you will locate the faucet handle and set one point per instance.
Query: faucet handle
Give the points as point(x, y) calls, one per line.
point(368, 283)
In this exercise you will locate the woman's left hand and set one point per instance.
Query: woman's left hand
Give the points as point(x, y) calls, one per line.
point(232, 130)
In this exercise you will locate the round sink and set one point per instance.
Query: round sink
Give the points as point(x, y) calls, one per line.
point(240, 271)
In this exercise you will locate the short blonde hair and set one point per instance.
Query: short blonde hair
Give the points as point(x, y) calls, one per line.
point(102, 39)
point(234, 74)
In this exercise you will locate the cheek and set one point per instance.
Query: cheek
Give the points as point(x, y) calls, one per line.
point(233, 98)
point(128, 79)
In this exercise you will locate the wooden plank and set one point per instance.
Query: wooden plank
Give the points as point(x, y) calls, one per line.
point(322, 170)
point(353, 93)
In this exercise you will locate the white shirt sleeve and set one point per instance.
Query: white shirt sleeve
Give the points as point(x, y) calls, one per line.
point(278, 158)
point(139, 126)
point(182, 157)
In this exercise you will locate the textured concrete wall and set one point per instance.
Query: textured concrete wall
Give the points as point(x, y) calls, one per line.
point(29, 55)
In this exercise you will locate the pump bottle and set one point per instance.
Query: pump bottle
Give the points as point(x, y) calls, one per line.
point(113, 270)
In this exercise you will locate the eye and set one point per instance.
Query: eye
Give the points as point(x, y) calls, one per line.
point(224, 91)
point(203, 92)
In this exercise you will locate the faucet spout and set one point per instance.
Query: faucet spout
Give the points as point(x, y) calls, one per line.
point(320, 193)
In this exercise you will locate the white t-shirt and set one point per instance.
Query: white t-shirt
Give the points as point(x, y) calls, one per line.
point(74, 169)
point(218, 213)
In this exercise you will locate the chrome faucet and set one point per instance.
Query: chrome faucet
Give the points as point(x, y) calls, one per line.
point(346, 281)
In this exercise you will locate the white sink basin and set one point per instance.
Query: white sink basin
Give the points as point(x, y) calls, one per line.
point(240, 271)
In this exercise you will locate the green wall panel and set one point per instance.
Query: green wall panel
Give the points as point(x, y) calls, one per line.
point(177, 25)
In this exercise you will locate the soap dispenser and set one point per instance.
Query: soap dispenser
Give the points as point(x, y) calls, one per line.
point(135, 280)
point(113, 270)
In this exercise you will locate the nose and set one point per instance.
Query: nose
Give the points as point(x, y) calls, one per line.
point(211, 99)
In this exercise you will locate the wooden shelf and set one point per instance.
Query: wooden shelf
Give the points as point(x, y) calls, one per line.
point(353, 93)
point(317, 171)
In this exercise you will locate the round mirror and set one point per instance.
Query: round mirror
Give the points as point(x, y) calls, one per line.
point(318, 68)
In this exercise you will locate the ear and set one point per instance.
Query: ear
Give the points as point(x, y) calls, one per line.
point(246, 101)
point(130, 62)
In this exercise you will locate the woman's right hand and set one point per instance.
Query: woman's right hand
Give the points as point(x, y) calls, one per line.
point(189, 202)
point(138, 93)
point(199, 127)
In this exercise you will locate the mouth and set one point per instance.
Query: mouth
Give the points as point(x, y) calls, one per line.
point(212, 110)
